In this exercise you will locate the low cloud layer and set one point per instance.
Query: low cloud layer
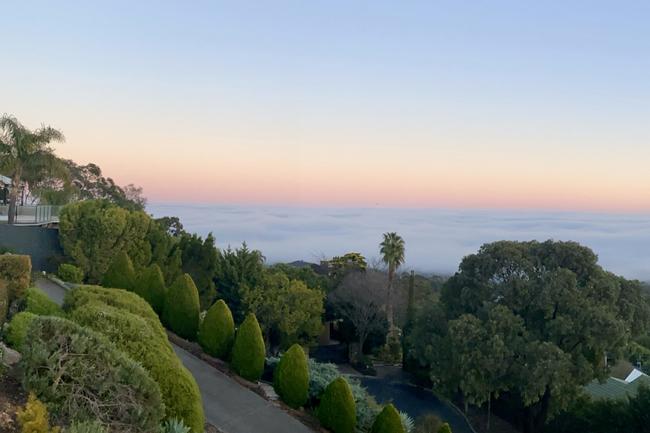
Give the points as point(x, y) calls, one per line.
point(436, 240)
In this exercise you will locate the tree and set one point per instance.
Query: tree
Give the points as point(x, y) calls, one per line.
point(248, 351)
point(291, 377)
point(287, 309)
point(25, 156)
point(547, 311)
point(340, 266)
point(120, 273)
point(181, 312)
point(237, 269)
point(165, 250)
point(392, 252)
point(199, 258)
point(357, 299)
point(150, 285)
point(388, 421)
point(337, 410)
point(217, 330)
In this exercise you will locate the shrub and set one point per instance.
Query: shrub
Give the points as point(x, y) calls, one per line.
point(70, 273)
point(174, 426)
point(86, 427)
point(82, 376)
point(321, 374)
point(291, 377)
point(407, 422)
point(428, 423)
point(181, 312)
point(150, 285)
point(444, 428)
point(120, 273)
point(131, 324)
point(337, 410)
point(15, 275)
point(37, 302)
point(388, 421)
point(34, 418)
point(248, 351)
point(17, 329)
point(217, 330)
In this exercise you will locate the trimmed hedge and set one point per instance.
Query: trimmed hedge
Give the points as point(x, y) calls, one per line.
point(37, 302)
point(217, 331)
point(337, 410)
point(82, 376)
point(248, 351)
point(17, 329)
point(70, 273)
point(181, 313)
point(291, 377)
point(388, 421)
point(15, 275)
point(151, 286)
point(120, 273)
point(132, 325)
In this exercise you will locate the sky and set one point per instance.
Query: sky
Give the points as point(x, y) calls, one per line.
point(436, 104)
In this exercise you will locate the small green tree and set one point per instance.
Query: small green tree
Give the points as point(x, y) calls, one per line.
point(120, 273)
point(444, 428)
point(291, 377)
point(249, 351)
point(337, 410)
point(181, 312)
point(17, 329)
point(217, 331)
point(388, 421)
point(151, 286)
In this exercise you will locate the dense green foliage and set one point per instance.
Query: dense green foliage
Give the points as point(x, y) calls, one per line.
point(236, 270)
point(199, 258)
point(337, 410)
point(82, 376)
point(340, 266)
point(531, 318)
point(17, 329)
point(37, 302)
point(248, 351)
point(34, 418)
point(291, 377)
point(388, 421)
point(92, 232)
point(289, 311)
point(217, 331)
point(120, 273)
point(165, 251)
point(306, 274)
point(15, 275)
point(86, 427)
point(131, 324)
point(181, 313)
point(150, 285)
point(70, 273)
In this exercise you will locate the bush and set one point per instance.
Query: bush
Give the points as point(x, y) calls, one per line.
point(174, 426)
point(407, 422)
point(132, 325)
point(17, 329)
point(82, 376)
point(34, 418)
point(388, 421)
point(86, 427)
point(37, 302)
point(291, 377)
point(444, 428)
point(248, 351)
point(337, 411)
point(217, 331)
point(70, 273)
point(150, 285)
point(321, 374)
point(181, 313)
point(120, 273)
point(428, 423)
point(15, 275)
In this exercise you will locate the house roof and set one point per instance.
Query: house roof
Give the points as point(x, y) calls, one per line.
point(614, 388)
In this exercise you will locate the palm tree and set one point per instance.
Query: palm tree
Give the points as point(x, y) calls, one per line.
point(25, 155)
point(392, 252)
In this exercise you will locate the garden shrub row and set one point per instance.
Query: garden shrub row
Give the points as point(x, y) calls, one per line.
point(217, 331)
point(248, 353)
point(130, 323)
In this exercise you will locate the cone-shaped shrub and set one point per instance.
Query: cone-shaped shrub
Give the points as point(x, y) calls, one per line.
point(337, 410)
point(291, 377)
point(388, 421)
point(182, 307)
point(248, 352)
point(120, 273)
point(151, 286)
point(217, 331)
point(444, 428)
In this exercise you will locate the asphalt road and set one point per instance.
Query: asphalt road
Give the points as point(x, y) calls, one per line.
point(227, 405)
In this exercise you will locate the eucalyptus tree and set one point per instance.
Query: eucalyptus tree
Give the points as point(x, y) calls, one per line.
point(392, 252)
point(26, 156)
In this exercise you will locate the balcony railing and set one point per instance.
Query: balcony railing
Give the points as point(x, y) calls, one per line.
point(38, 214)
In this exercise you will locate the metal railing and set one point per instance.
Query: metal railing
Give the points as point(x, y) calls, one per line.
point(38, 214)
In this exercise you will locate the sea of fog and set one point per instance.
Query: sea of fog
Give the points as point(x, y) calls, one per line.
point(436, 240)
